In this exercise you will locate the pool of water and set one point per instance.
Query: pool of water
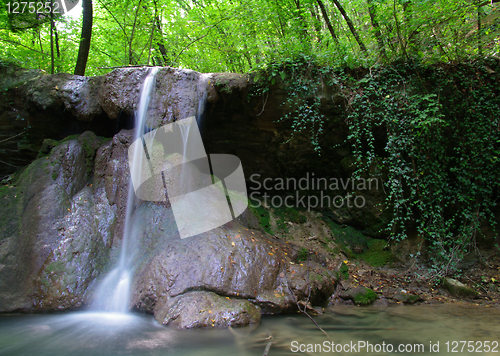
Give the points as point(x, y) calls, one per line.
point(362, 331)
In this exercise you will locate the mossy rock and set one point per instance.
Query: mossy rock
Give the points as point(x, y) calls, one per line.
point(347, 235)
point(360, 295)
point(458, 289)
point(47, 145)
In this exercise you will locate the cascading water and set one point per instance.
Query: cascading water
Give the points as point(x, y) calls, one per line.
point(114, 292)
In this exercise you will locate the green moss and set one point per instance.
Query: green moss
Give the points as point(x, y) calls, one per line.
point(344, 271)
point(458, 289)
point(302, 255)
point(345, 235)
point(4, 191)
point(412, 298)
point(55, 267)
point(284, 214)
point(366, 297)
point(88, 144)
point(290, 214)
point(262, 214)
point(376, 255)
point(348, 238)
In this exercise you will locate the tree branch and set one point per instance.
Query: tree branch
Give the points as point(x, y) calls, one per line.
point(20, 44)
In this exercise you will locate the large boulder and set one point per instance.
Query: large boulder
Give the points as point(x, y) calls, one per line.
point(206, 309)
point(54, 231)
point(231, 261)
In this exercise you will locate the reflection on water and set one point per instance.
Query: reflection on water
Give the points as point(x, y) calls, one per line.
point(128, 334)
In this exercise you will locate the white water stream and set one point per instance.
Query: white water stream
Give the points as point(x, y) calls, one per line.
point(113, 295)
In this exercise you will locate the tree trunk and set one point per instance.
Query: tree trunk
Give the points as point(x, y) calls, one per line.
point(479, 47)
point(327, 21)
point(400, 39)
point(58, 51)
point(376, 27)
point(159, 42)
point(351, 26)
point(316, 22)
point(130, 52)
point(51, 41)
point(83, 51)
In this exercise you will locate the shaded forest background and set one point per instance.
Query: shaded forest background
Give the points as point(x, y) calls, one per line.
point(245, 35)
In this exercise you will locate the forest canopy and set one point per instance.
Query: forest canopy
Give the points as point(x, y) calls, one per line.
point(245, 35)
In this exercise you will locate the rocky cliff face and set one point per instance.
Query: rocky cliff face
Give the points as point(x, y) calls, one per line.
point(62, 220)
point(62, 216)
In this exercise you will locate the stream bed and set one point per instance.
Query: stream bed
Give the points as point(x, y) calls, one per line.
point(424, 329)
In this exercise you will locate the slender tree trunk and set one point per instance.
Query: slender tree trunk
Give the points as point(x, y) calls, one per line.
point(40, 39)
point(83, 52)
point(316, 22)
point(351, 26)
point(280, 19)
point(400, 39)
point(130, 52)
point(327, 21)
point(159, 42)
point(479, 47)
point(303, 27)
point(58, 51)
point(51, 40)
point(151, 42)
point(376, 27)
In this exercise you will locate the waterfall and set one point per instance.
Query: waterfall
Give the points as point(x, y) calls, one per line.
point(113, 294)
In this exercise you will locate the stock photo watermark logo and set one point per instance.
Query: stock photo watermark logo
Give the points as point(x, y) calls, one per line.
point(170, 164)
point(66, 5)
point(28, 11)
point(310, 192)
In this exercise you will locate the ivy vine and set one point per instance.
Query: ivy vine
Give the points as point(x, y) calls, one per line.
point(440, 157)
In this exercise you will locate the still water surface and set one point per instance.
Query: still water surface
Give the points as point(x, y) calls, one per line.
point(96, 334)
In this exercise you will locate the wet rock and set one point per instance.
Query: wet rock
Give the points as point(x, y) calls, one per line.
point(206, 309)
point(230, 261)
point(381, 303)
point(458, 289)
point(359, 295)
point(52, 230)
point(407, 298)
point(176, 95)
point(64, 91)
point(112, 173)
point(36, 106)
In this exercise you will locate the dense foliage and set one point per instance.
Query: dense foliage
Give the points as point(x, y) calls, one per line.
point(242, 35)
point(430, 132)
point(442, 153)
